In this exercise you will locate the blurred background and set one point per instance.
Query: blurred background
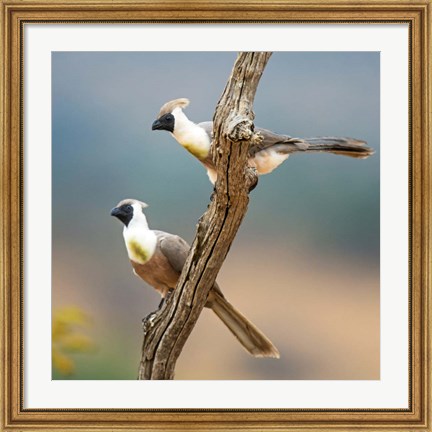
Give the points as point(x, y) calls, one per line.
point(305, 264)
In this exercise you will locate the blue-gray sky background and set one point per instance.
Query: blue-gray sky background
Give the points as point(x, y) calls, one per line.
point(305, 264)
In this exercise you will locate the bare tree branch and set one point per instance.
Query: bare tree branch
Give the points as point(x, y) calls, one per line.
point(166, 334)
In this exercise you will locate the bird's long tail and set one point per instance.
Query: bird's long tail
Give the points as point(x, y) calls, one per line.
point(338, 145)
point(252, 339)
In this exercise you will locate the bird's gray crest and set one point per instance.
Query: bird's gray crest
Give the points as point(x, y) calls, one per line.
point(132, 201)
point(171, 105)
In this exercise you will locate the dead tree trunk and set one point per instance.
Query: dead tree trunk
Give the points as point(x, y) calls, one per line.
point(166, 333)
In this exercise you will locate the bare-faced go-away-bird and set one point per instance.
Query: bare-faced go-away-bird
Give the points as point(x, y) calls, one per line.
point(158, 257)
point(266, 155)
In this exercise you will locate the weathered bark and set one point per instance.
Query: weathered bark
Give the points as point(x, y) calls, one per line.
point(166, 333)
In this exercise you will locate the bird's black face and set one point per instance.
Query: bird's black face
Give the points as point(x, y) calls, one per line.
point(165, 122)
point(123, 213)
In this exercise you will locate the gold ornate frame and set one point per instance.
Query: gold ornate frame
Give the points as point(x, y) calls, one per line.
point(15, 13)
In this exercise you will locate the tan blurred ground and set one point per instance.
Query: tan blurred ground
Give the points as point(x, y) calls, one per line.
point(322, 312)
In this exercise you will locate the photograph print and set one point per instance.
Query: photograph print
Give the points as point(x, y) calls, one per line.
point(298, 295)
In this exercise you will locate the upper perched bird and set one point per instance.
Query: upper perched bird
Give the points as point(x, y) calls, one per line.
point(158, 258)
point(264, 156)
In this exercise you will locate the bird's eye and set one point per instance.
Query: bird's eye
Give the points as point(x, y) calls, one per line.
point(128, 208)
point(169, 117)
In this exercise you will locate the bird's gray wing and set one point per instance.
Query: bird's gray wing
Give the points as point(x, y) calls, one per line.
point(269, 139)
point(208, 127)
point(174, 248)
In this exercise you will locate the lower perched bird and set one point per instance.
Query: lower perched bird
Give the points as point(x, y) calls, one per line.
point(158, 257)
point(264, 156)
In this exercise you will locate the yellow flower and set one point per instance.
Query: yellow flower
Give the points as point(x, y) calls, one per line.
point(62, 363)
point(68, 337)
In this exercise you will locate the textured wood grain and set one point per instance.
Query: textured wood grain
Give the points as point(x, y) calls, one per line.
point(167, 332)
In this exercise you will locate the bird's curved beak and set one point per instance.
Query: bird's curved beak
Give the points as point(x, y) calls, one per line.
point(157, 125)
point(116, 212)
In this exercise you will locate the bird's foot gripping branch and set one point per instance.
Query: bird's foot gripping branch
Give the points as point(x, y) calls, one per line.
point(233, 134)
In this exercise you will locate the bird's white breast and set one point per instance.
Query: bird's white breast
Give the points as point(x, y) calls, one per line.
point(191, 136)
point(195, 141)
point(140, 244)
